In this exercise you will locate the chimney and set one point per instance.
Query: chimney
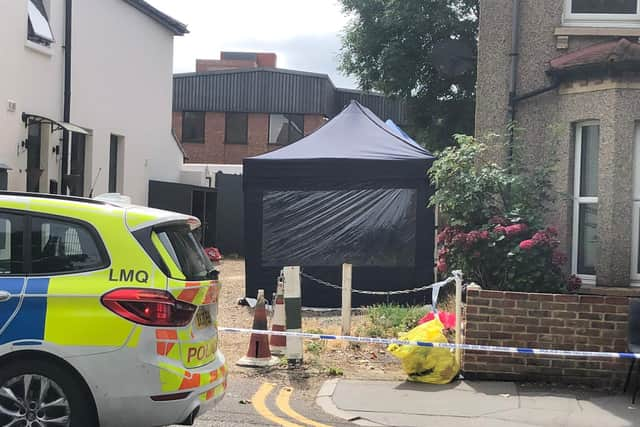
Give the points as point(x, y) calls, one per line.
point(237, 60)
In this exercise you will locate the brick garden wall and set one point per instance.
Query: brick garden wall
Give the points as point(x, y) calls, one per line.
point(548, 321)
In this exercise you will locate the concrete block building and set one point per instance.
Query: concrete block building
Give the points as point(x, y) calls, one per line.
point(241, 105)
point(568, 71)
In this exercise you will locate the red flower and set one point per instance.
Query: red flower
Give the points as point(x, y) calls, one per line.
point(526, 245)
point(484, 235)
point(574, 283)
point(499, 229)
point(515, 229)
point(442, 265)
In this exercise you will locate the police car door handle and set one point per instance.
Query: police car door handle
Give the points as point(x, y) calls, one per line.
point(4, 296)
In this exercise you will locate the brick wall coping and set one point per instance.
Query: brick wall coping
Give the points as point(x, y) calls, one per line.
point(618, 292)
point(565, 298)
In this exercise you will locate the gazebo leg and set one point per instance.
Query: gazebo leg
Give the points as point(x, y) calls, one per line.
point(626, 383)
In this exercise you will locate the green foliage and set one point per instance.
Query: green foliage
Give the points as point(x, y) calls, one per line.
point(388, 320)
point(388, 46)
point(333, 371)
point(315, 347)
point(495, 215)
point(472, 188)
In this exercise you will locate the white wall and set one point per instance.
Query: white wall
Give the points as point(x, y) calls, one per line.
point(197, 173)
point(32, 76)
point(122, 84)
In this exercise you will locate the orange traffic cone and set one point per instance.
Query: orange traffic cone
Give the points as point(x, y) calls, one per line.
point(278, 342)
point(259, 354)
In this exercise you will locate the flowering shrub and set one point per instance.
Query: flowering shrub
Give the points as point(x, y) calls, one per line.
point(506, 257)
point(496, 234)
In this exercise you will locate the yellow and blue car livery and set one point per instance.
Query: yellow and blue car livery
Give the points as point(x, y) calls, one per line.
point(105, 306)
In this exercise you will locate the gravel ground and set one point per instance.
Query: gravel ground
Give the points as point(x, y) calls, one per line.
point(363, 362)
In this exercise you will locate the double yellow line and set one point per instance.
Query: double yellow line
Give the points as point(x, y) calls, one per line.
point(282, 402)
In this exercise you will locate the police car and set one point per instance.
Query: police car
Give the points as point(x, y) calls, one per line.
point(107, 315)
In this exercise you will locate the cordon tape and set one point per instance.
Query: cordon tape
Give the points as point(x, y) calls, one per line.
point(469, 347)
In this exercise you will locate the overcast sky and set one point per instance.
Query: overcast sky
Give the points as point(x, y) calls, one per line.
point(305, 34)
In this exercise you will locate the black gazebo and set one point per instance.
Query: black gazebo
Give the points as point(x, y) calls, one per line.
point(354, 191)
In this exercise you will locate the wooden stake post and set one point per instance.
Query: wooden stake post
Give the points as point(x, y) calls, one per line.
point(346, 299)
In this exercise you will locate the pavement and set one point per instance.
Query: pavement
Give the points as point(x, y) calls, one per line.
point(477, 404)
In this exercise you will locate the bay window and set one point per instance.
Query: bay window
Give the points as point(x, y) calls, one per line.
point(585, 209)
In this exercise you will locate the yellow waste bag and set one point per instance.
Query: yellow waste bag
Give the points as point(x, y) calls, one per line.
point(426, 364)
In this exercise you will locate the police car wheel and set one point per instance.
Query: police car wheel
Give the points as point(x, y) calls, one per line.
point(38, 393)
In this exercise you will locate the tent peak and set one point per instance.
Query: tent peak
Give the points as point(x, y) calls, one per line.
point(355, 133)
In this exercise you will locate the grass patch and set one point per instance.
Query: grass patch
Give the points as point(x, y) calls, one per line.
point(333, 371)
point(388, 320)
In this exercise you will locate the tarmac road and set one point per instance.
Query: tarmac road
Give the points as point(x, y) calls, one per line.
point(253, 402)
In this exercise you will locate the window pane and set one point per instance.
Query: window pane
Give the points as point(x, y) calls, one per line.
point(113, 164)
point(588, 239)
point(39, 28)
point(11, 244)
point(193, 127)
point(604, 6)
point(285, 128)
point(296, 127)
point(590, 146)
point(186, 252)
point(58, 246)
point(278, 129)
point(236, 128)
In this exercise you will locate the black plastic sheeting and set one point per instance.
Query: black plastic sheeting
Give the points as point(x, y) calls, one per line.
point(326, 228)
point(352, 191)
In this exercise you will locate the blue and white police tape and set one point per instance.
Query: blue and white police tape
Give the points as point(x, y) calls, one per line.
point(469, 347)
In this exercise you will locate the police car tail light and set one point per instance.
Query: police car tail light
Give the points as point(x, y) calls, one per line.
point(149, 307)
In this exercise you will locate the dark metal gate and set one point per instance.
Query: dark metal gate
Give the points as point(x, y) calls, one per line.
point(200, 202)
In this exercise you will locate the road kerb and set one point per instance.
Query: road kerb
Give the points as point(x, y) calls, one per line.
point(283, 404)
point(324, 400)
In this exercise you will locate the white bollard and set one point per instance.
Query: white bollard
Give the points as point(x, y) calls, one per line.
point(346, 299)
point(458, 278)
point(293, 313)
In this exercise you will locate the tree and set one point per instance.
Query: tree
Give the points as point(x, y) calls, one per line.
point(389, 45)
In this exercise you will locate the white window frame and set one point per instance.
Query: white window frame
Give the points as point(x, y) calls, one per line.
point(619, 20)
point(41, 24)
point(635, 228)
point(587, 279)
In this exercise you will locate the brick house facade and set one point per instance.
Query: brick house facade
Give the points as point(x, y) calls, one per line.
point(265, 107)
point(572, 77)
point(215, 150)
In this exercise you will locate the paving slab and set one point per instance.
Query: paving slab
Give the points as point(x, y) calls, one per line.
point(425, 399)
point(473, 404)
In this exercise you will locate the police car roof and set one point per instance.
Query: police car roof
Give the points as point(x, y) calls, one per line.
point(145, 216)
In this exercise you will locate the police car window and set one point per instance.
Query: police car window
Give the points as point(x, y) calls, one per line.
point(11, 244)
point(186, 252)
point(61, 247)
